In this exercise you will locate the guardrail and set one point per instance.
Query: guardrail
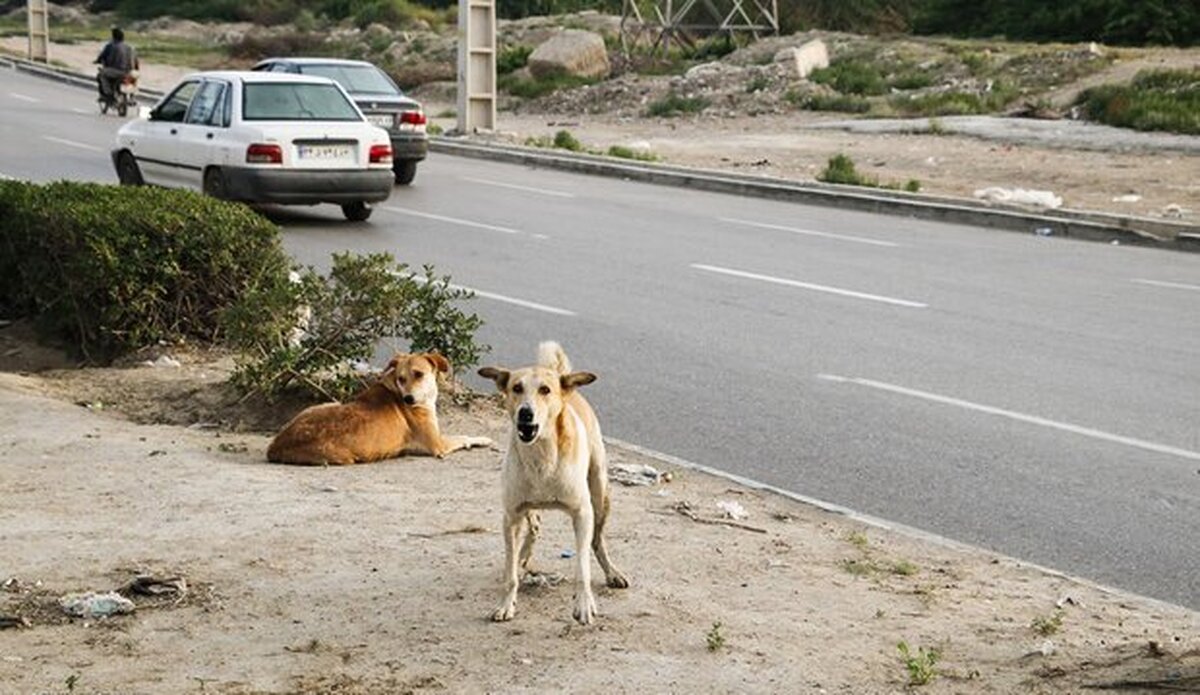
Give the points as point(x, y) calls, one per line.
point(1073, 224)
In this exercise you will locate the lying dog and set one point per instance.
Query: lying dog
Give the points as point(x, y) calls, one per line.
point(556, 460)
point(395, 415)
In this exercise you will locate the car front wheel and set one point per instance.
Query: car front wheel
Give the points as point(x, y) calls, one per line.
point(214, 183)
point(357, 211)
point(405, 170)
point(128, 173)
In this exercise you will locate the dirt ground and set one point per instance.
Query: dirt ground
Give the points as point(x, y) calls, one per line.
point(1163, 184)
point(380, 578)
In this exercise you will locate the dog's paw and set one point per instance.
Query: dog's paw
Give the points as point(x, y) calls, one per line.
point(617, 581)
point(585, 608)
point(473, 442)
point(505, 612)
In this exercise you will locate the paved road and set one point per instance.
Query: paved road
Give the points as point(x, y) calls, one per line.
point(1040, 397)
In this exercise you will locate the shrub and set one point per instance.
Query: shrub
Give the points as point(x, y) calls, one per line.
point(512, 58)
point(254, 46)
point(346, 314)
point(108, 269)
point(851, 77)
point(1155, 100)
point(565, 141)
point(841, 169)
point(829, 102)
point(629, 153)
point(674, 105)
point(532, 88)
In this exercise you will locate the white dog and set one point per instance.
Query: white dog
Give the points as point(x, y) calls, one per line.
point(555, 460)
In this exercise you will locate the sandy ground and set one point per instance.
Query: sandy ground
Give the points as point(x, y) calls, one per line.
point(1166, 183)
point(379, 578)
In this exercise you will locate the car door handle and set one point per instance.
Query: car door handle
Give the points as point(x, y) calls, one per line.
point(174, 131)
point(209, 136)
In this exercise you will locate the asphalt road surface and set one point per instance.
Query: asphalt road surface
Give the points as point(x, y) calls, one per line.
point(1039, 397)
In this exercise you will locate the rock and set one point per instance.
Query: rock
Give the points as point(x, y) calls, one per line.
point(94, 605)
point(802, 60)
point(706, 70)
point(571, 52)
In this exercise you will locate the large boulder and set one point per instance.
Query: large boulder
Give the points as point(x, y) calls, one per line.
point(803, 59)
point(570, 52)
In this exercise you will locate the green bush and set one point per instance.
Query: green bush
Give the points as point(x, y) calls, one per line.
point(564, 140)
point(958, 103)
point(851, 77)
point(841, 169)
point(107, 269)
point(512, 58)
point(674, 105)
point(831, 102)
point(624, 152)
point(539, 87)
point(345, 314)
point(1156, 100)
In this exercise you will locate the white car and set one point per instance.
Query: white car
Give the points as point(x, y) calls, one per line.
point(260, 138)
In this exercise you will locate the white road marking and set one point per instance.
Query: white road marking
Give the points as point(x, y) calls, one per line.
point(1172, 285)
point(452, 220)
point(529, 189)
point(809, 232)
point(72, 143)
point(83, 111)
point(809, 286)
point(23, 97)
point(1020, 417)
point(506, 299)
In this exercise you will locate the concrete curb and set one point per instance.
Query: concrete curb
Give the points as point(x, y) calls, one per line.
point(1072, 224)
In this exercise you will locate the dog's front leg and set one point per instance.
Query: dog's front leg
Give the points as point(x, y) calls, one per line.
point(448, 445)
point(508, 606)
point(585, 602)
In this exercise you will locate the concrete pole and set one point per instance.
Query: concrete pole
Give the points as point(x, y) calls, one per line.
point(39, 30)
point(476, 65)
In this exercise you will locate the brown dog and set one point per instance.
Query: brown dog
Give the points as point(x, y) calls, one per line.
point(395, 415)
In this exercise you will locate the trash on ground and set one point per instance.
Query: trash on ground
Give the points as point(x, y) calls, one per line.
point(1019, 196)
point(635, 474)
point(567, 554)
point(163, 361)
point(147, 585)
point(10, 621)
point(1127, 198)
point(1044, 231)
point(733, 510)
point(94, 605)
point(542, 579)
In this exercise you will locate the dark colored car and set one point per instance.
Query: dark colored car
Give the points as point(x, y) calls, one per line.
point(378, 97)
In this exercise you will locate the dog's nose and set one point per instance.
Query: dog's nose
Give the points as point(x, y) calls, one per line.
point(525, 415)
point(409, 399)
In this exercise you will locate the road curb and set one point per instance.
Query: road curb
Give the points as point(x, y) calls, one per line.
point(62, 74)
point(1072, 224)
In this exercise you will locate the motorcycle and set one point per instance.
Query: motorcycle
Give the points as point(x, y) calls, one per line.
point(124, 95)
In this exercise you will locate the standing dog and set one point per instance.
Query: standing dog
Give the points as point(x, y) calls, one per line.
point(555, 460)
point(395, 415)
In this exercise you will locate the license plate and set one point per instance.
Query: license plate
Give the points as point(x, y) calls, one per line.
point(325, 152)
point(383, 120)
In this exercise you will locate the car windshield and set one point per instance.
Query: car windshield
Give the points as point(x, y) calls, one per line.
point(289, 101)
point(356, 79)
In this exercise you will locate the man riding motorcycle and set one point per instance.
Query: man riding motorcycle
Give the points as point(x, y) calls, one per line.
point(116, 60)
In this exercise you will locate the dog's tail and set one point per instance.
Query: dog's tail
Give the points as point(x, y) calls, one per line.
point(551, 354)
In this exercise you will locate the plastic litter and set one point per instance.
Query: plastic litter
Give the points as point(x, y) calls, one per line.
point(635, 474)
point(1019, 196)
point(1044, 231)
point(94, 605)
point(733, 510)
point(163, 361)
point(567, 554)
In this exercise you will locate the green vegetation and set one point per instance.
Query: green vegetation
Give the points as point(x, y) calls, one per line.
point(956, 103)
point(674, 104)
point(107, 270)
point(1155, 100)
point(1110, 21)
point(624, 152)
point(534, 87)
point(840, 169)
point(828, 102)
point(852, 76)
point(512, 58)
point(714, 638)
point(564, 140)
point(920, 666)
point(1047, 625)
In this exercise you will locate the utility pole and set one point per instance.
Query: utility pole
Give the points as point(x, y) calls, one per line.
point(39, 30)
point(476, 65)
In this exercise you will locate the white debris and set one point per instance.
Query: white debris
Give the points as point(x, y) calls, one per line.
point(93, 605)
point(1019, 196)
point(1047, 648)
point(733, 510)
point(1127, 198)
point(634, 474)
point(164, 361)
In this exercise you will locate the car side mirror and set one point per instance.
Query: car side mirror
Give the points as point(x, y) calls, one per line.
point(152, 114)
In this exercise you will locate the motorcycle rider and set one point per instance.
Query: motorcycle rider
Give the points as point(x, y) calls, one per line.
point(116, 60)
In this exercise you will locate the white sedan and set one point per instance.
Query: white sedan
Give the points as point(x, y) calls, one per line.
point(260, 138)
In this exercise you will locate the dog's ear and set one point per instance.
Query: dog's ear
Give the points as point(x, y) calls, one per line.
point(441, 363)
point(500, 376)
point(575, 379)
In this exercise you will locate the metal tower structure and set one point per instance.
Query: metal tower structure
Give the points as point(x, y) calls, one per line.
point(653, 26)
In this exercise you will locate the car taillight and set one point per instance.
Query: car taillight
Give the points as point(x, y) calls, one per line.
point(381, 154)
point(264, 154)
point(413, 117)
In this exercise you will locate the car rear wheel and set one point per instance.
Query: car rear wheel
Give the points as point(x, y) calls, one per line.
point(214, 183)
point(405, 170)
point(357, 211)
point(128, 172)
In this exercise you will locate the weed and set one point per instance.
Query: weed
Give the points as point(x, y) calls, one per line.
point(533, 88)
point(543, 141)
point(920, 666)
point(857, 538)
point(851, 77)
point(757, 84)
point(512, 58)
point(629, 153)
point(447, 113)
point(859, 568)
point(714, 638)
point(1167, 100)
point(564, 140)
point(936, 127)
point(912, 186)
point(829, 102)
point(904, 568)
point(674, 105)
point(434, 129)
point(1047, 625)
point(841, 169)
